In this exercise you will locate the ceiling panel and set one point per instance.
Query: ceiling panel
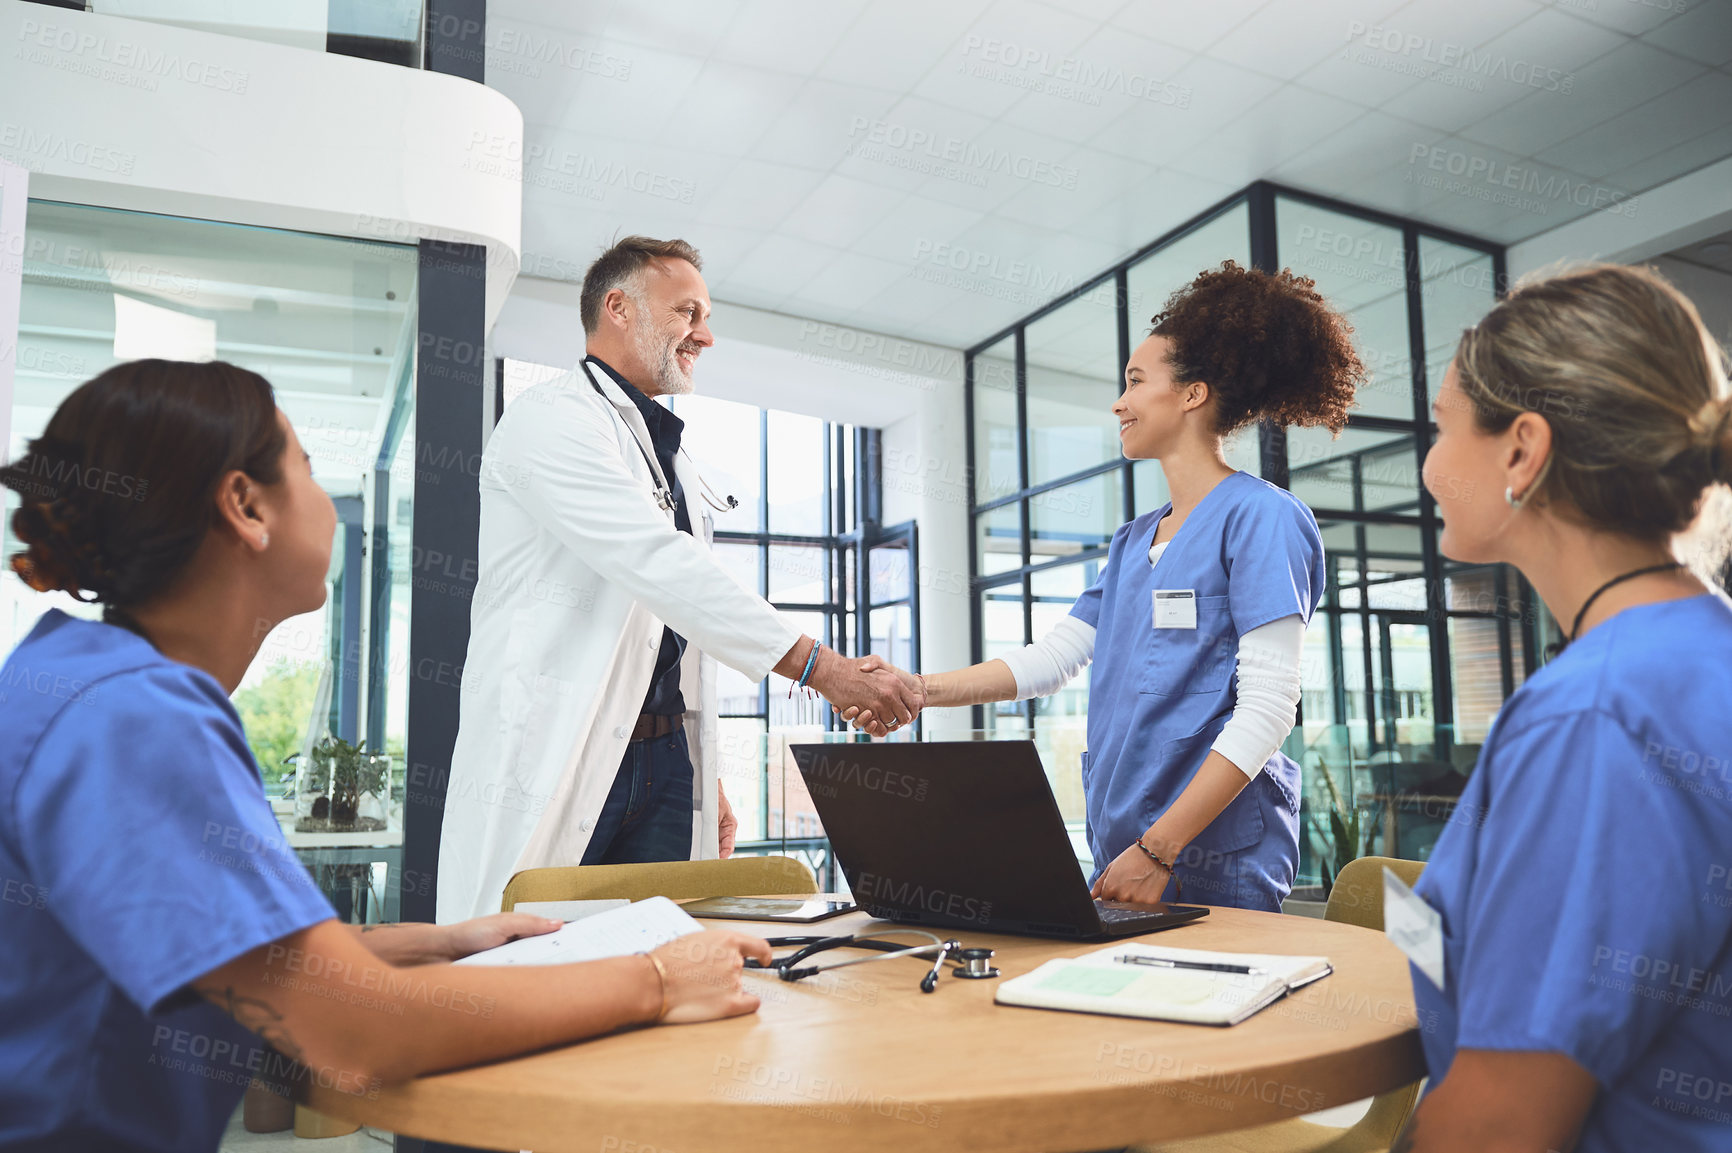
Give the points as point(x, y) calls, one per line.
point(839, 160)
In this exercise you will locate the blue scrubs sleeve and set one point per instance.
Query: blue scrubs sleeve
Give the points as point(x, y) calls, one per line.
point(144, 818)
point(1274, 559)
point(1586, 929)
point(1087, 608)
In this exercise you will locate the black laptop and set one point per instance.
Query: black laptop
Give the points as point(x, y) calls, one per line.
point(963, 834)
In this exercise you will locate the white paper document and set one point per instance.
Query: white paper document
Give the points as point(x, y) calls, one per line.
point(636, 928)
point(1414, 926)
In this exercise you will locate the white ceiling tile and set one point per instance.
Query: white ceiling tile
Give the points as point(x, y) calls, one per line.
point(1166, 199)
point(721, 247)
point(838, 211)
point(1375, 144)
point(1110, 72)
point(912, 141)
point(1690, 110)
point(1014, 45)
point(894, 43)
point(1633, 17)
point(1106, 177)
point(625, 104)
point(756, 195)
point(1189, 26)
point(1674, 162)
point(1218, 94)
point(786, 35)
point(998, 162)
point(846, 283)
point(1284, 125)
point(1358, 74)
point(565, 172)
point(1416, 49)
point(642, 87)
point(1455, 170)
point(915, 229)
point(1703, 32)
point(773, 271)
point(1288, 37)
point(735, 106)
point(1544, 50)
point(818, 125)
point(909, 308)
point(690, 28)
point(1623, 78)
point(1492, 222)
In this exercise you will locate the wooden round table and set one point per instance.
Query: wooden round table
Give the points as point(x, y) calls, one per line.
point(860, 1059)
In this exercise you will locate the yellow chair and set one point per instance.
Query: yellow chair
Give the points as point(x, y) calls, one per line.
point(734, 877)
point(1357, 899)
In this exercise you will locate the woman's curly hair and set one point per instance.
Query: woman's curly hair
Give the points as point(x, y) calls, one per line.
point(1268, 346)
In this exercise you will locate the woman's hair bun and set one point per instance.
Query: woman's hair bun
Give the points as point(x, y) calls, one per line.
point(117, 493)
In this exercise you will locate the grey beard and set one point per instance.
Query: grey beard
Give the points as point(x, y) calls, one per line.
point(658, 356)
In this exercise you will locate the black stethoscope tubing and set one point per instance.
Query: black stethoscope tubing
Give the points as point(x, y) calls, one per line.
point(789, 968)
point(664, 491)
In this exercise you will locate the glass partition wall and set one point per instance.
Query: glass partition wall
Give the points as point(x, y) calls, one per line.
point(1408, 656)
point(331, 324)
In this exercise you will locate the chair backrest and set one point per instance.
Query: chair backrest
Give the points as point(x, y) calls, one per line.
point(734, 877)
point(1357, 897)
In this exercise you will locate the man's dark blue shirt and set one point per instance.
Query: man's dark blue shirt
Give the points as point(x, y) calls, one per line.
point(664, 697)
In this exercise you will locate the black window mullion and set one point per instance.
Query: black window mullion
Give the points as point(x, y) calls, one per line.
point(1437, 624)
point(1025, 517)
point(1122, 281)
point(1265, 257)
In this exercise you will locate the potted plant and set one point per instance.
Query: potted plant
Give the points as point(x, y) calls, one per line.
point(1348, 841)
point(340, 774)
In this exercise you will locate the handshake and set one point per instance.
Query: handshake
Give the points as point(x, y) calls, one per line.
point(871, 693)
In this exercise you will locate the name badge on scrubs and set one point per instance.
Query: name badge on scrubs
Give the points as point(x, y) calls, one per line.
point(1175, 608)
point(1414, 926)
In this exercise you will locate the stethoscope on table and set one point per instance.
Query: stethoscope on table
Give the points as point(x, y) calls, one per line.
point(976, 964)
point(664, 491)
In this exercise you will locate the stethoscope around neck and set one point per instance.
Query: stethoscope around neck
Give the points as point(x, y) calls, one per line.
point(664, 491)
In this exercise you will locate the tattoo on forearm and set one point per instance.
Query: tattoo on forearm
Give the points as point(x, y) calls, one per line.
point(253, 1014)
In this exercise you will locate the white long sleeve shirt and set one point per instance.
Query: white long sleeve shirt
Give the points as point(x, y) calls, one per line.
point(1267, 663)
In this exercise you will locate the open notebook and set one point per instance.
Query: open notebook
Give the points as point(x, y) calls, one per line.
point(1099, 982)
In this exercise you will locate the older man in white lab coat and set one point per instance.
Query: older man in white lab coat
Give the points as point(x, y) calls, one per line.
point(588, 729)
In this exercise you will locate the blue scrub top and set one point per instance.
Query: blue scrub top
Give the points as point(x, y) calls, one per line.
point(1158, 698)
point(1585, 880)
point(137, 853)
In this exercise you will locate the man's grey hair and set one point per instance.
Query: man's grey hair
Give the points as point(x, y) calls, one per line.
point(620, 266)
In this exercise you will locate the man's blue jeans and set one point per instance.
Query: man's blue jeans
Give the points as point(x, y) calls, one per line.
point(648, 814)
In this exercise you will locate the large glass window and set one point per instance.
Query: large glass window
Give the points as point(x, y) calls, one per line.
point(331, 324)
point(1408, 656)
point(1072, 368)
point(997, 467)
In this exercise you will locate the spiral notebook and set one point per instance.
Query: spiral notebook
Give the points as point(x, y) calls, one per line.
point(1100, 982)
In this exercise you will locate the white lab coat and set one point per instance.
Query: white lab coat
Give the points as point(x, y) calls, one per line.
point(579, 570)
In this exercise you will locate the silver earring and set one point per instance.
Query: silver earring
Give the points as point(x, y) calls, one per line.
point(264, 540)
point(1511, 498)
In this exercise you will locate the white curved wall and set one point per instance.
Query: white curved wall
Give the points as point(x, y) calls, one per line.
point(128, 114)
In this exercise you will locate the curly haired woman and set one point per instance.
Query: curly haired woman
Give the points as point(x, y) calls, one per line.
point(1188, 793)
